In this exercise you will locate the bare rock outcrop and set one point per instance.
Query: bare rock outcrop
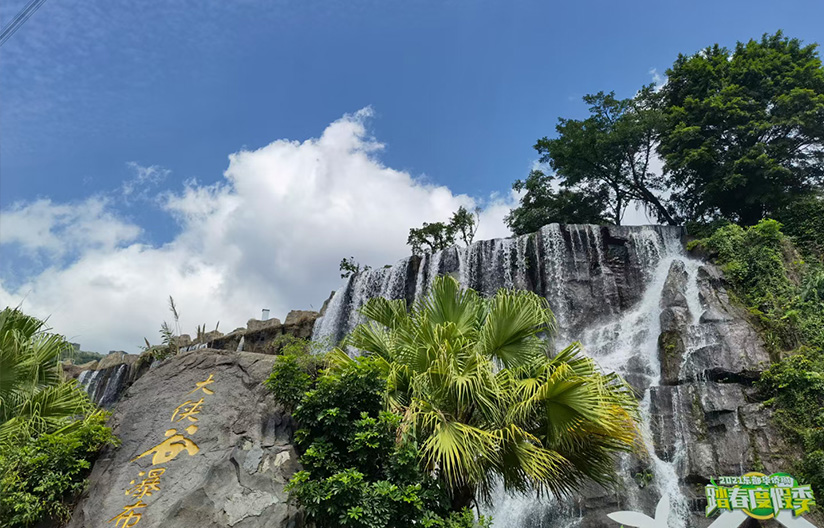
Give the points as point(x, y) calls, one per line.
point(203, 444)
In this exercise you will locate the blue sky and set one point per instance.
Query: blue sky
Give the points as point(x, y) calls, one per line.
point(108, 108)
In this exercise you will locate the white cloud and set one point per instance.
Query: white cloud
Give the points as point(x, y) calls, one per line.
point(43, 228)
point(658, 78)
point(144, 181)
point(270, 235)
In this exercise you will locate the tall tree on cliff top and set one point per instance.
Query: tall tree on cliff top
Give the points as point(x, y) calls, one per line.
point(612, 150)
point(441, 235)
point(541, 205)
point(744, 129)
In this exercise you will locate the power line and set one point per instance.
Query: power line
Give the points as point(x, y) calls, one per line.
point(20, 19)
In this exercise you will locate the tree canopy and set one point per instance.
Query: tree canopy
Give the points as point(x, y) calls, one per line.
point(740, 133)
point(541, 204)
point(744, 129)
point(437, 236)
point(606, 158)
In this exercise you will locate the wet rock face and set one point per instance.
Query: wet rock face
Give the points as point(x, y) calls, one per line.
point(720, 429)
point(203, 444)
point(586, 273)
point(722, 345)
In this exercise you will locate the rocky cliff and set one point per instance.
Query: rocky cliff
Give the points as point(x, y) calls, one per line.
point(644, 308)
point(203, 444)
point(106, 380)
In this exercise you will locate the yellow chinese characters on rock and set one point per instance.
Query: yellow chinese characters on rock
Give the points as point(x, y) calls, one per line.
point(201, 385)
point(188, 410)
point(171, 447)
point(175, 443)
point(146, 486)
point(129, 517)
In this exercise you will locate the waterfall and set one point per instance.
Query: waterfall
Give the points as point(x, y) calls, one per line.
point(104, 386)
point(114, 383)
point(606, 287)
point(342, 314)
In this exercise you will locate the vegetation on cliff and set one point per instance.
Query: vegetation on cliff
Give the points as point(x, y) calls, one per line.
point(478, 392)
point(42, 478)
point(49, 430)
point(784, 292)
point(356, 472)
point(436, 236)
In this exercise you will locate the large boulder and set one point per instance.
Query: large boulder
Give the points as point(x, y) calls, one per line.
point(720, 346)
point(203, 444)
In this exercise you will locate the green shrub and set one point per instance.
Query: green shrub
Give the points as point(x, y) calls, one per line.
point(778, 288)
point(288, 380)
point(295, 370)
point(785, 296)
point(796, 390)
point(41, 479)
point(356, 472)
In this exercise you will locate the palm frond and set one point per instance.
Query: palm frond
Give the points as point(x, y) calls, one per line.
point(34, 397)
point(483, 399)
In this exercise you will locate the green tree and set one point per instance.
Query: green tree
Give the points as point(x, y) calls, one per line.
point(610, 153)
point(541, 205)
point(438, 236)
point(480, 394)
point(349, 266)
point(744, 129)
point(41, 479)
point(430, 238)
point(803, 220)
point(464, 224)
point(34, 397)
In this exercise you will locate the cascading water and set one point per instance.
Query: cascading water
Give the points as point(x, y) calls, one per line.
point(606, 287)
point(104, 386)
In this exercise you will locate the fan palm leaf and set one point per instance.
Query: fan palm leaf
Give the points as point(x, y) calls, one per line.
point(34, 397)
point(480, 391)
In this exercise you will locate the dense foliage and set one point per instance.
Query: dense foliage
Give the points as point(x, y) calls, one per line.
point(779, 288)
point(49, 429)
point(744, 129)
point(785, 294)
point(796, 387)
point(541, 204)
point(41, 478)
point(355, 472)
point(741, 134)
point(804, 222)
point(608, 154)
point(295, 369)
point(479, 394)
